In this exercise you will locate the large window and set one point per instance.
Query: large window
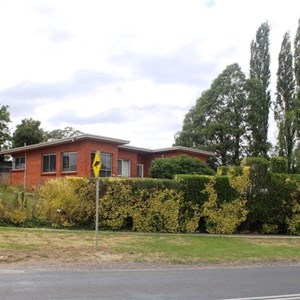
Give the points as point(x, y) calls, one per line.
point(123, 168)
point(69, 161)
point(49, 163)
point(106, 167)
point(140, 170)
point(19, 163)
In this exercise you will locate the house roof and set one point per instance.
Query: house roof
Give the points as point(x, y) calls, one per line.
point(121, 144)
point(65, 141)
point(181, 148)
point(170, 149)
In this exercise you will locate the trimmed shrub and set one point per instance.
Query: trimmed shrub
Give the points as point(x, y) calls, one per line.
point(278, 165)
point(63, 204)
point(183, 164)
point(222, 217)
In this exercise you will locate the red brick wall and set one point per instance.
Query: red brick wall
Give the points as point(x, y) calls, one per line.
point(34, 175)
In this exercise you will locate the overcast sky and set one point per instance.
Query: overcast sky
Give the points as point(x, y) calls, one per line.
point(128, 69)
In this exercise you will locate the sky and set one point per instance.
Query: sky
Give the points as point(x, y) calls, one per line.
point(128, 69)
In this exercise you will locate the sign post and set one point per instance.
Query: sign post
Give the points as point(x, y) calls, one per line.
point(96, 168)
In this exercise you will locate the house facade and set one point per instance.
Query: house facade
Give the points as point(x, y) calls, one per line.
point(34, 164)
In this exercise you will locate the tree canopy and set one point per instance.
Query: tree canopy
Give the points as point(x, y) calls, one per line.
point(4, 129)
point(285, 101)
point(259, 97)
point(27, 133)
point(216, 122)
point(57, 134)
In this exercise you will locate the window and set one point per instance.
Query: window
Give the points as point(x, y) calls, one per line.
point(106, 167)
point(123, 168)
point(140, 170)
point(19, 163)
point(69, 161)
point(49, 163)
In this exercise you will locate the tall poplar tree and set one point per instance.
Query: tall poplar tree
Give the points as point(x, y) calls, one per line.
point(284, 109)
point(297, 76)
point(260, 101)
point(5, 136)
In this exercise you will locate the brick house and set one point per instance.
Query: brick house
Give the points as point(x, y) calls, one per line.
point(34, 164)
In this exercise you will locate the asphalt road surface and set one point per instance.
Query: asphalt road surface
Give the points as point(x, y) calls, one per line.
point(210, 283)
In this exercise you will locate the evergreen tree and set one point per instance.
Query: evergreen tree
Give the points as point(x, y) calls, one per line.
point(216, 122)
point(297, 76)
point(285, 101)
point(255, 118)
point(28, 132)
point(57, 134)
point(4, 130)
point(259, 95)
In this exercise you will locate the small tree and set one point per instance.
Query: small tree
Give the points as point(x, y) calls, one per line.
point(183, 164)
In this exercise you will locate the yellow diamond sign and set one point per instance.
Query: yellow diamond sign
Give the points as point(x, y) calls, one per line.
point(97, 164)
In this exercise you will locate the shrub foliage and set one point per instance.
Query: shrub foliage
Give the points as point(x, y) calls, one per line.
point(183, 164)
point(249, 198)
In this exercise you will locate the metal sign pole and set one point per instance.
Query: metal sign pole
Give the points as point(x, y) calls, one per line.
point(97, 211)
point(96, 168)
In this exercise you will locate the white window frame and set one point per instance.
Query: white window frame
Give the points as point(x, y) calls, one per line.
point(19, 163)
point(140, 166)
point(121, 171)
point(71, 155)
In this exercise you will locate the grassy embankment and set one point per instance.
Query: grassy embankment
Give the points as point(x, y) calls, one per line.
point(19, 246)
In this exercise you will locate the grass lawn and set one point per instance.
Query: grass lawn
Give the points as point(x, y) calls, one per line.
point(19, 246)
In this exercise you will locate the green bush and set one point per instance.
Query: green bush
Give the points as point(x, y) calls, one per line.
point(162, 205)
point(278, 165)
point(18, 208)
point(192, 185)
point(183, 164)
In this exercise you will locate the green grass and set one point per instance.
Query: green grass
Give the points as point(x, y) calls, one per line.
point(214, 249)
point(45, 245)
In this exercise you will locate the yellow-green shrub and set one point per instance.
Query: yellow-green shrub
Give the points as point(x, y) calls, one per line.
point(222, 217)
point(14, 207)
point(64, 195)
point(148, 210)
point(159, 213)
point(114, 204)
point(294, 221)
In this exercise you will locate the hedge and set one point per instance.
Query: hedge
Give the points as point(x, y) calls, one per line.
point(270, 202)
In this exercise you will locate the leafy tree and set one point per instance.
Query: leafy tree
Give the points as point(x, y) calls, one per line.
point(28, 132)
point(216, 122)
point(259, 95)
point(183, 164)
point(4, 130)
point(297, 75)
point(62, 133)
point(285, 101)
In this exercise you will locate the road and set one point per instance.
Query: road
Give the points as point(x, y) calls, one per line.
point(209, 283)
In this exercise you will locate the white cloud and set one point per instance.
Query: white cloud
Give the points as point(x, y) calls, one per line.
point(126, 69)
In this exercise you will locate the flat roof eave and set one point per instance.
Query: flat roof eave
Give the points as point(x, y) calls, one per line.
point(64, 141)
